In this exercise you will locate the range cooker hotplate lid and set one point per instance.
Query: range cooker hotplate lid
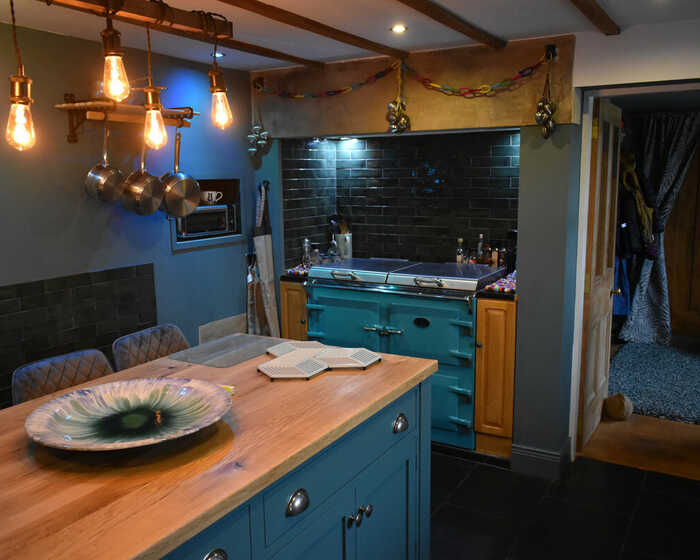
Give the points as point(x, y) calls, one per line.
point(448, 276)
point(358, 270)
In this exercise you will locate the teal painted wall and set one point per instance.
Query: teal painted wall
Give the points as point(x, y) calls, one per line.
point(547, 244)
point(49, 227)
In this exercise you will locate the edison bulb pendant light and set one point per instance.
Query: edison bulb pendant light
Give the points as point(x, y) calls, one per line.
point(156, 135)
point(221, 115)
point(20, 127)
point(19, 132)
point(116, 84)
point(154, 131)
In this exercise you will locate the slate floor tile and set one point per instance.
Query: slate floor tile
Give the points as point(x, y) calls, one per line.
point(458, 533)
point(446, 474)
point(564, 530)
point(599, 485)
point(673, 485)
point(499, 492)
point(664, 527)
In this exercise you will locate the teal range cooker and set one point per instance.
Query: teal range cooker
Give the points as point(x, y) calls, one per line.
point(418, 309)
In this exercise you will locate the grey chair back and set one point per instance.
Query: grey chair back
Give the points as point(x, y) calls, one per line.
point(59, 372)
point(147, 345)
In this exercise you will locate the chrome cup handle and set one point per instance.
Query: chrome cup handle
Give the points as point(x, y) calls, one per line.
point(298, 503)
point(339, 275)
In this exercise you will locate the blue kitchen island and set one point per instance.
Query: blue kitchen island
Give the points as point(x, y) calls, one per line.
point(337, 467)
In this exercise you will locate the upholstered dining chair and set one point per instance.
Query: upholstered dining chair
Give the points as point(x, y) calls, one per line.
point(59, 372)
point(147, 345)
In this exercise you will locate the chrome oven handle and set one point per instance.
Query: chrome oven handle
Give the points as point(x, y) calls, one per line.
point(371, 329)
point(423, 281)
point(389, 330)
point(339, 275)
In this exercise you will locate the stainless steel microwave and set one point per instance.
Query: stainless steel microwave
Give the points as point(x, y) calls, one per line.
point(208, 221)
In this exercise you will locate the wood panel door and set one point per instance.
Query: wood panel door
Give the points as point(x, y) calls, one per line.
point(682, 248)
point(294, 314)
point(600, 266)
point(495, 367)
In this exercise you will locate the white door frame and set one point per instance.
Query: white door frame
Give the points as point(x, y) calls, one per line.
point(585, 99)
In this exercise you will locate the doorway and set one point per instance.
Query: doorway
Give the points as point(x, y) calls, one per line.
point(647, 440)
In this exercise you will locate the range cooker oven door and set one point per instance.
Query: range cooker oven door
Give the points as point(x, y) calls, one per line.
point(442, 330)
point(343, 317)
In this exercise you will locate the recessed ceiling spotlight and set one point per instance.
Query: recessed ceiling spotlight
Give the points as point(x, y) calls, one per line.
point(218, 54)
point(399, 28)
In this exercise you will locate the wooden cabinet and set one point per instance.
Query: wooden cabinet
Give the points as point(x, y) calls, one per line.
point(495, 372)
point(294, 314)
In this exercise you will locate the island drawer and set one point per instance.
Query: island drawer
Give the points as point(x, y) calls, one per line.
point(313, 482)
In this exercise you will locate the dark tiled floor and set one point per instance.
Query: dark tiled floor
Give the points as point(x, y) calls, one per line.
point(599, 511)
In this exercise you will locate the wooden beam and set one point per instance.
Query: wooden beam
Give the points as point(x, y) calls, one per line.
point(597, 16)
point(448, 19)
point(96, 7)
point(295, 20)
point(145, 12)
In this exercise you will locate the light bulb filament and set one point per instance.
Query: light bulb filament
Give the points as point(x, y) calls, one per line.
point(20, 127)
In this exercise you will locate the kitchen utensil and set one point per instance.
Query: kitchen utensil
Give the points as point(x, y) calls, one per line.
point(125, 414)
point(181, 191)
point(143, 192)
point(104, 181)
point(210, 197)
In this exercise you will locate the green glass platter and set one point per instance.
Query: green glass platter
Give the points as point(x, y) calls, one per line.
point(125, 414)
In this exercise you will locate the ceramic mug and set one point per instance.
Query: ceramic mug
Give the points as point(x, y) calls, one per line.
point(211, 197)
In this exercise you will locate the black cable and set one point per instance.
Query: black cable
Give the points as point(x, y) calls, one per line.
point(14, 37)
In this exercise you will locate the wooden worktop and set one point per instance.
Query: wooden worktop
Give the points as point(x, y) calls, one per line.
point(145, 502)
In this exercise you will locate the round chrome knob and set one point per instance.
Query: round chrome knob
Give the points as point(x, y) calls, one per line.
point(217, 554)
point(368, 509)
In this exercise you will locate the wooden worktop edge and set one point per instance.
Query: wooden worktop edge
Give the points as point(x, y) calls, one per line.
point(232, 501)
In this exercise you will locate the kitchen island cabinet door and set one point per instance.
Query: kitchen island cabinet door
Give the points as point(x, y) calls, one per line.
point(495, 367)
point(386, 494)
point(231, 534)
point(324, 536)
point(344, 318)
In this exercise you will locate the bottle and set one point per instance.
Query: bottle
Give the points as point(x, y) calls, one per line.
point(460, 251)
point(480, 248)
point(306, 253)
point(494, 256)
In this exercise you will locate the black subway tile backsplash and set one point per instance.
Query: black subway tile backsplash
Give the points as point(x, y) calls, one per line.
point(59, 315)
point(408, 196)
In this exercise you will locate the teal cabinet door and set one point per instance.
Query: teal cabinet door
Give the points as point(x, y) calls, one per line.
point(231, 534)
point(323, 537)
point(344, 318)
point(386, 504)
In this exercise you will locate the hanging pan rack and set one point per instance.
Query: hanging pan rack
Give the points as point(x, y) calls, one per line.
point(101, 109)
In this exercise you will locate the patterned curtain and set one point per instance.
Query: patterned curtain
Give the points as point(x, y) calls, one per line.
point(666, 144)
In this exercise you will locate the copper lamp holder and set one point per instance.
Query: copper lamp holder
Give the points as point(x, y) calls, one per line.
point(216, 80)
point(152, 94)
point(111, 41)
point(21, 88)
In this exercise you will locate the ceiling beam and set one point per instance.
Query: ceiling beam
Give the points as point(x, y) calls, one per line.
point(295, 20)
point(445, 17)
point(143, 11)
point(185, 27)
point(597, 16)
